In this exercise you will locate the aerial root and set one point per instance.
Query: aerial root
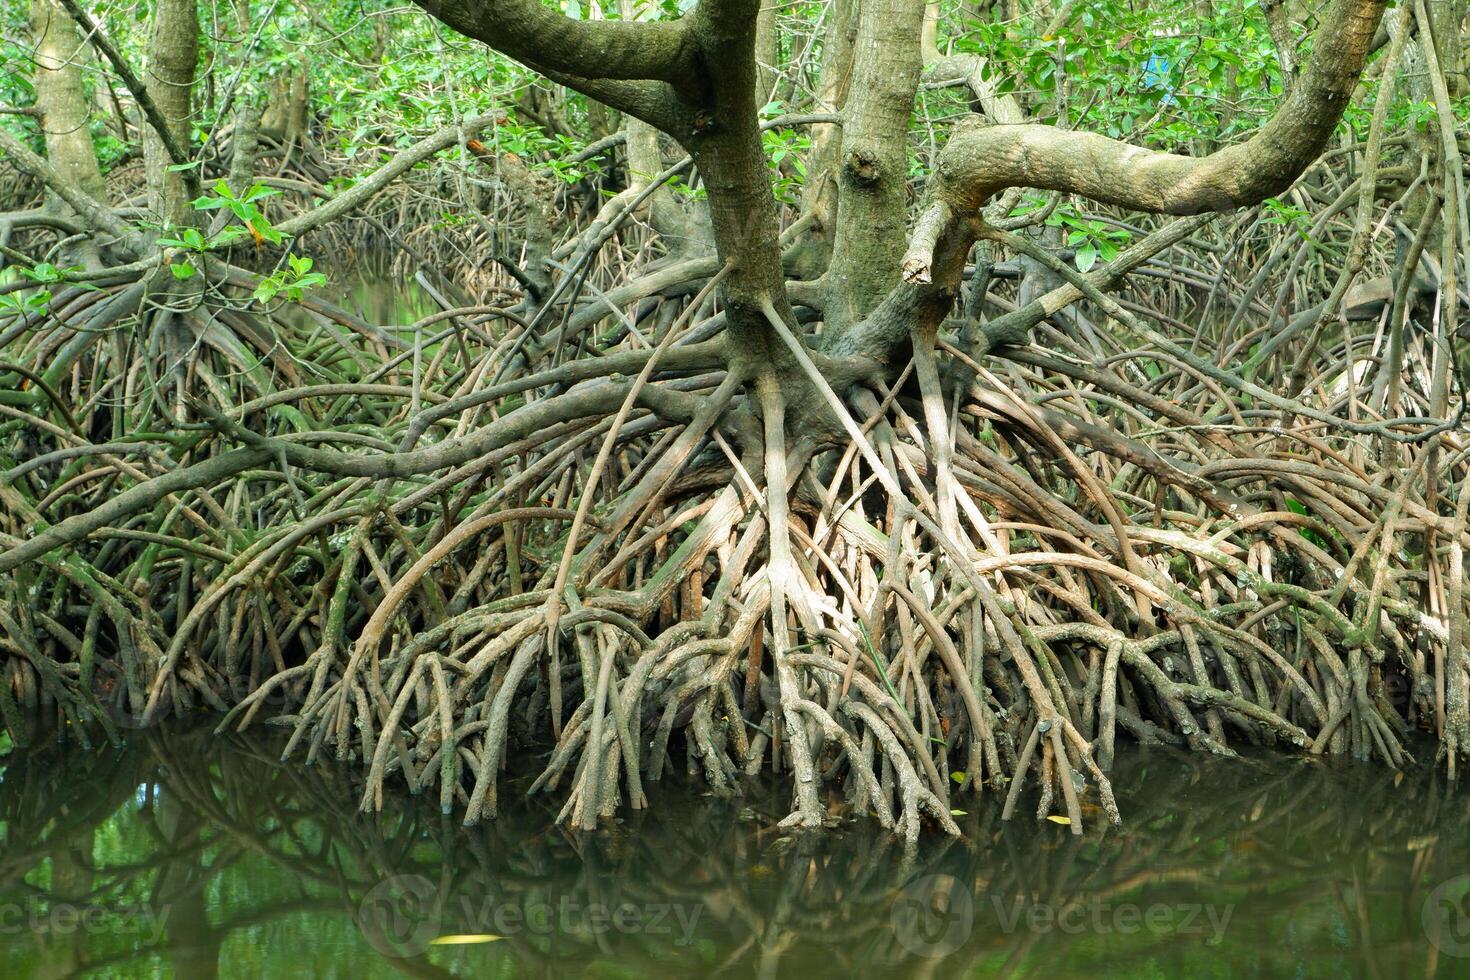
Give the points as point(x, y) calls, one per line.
point(896, 602)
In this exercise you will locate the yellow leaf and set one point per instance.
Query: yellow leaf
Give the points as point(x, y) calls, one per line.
point(469, 940)
point(1064, 821)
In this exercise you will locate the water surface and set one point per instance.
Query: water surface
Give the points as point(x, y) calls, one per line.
point(189, 855)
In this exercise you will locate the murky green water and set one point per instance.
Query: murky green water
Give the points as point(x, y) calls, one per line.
point(190, 855)
point(367, 289)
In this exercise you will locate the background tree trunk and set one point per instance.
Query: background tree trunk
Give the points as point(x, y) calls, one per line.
point(64, 112)
point(872, 171)
point(173, 52)
point(819, 195)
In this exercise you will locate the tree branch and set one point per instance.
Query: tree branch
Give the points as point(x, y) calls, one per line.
point(553, 44)
point(403, 161)
point(979, 162)
point(91, 210)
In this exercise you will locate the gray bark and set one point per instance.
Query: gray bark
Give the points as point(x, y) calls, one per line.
point(173, 52)
point(872, 171)
point(60, 98)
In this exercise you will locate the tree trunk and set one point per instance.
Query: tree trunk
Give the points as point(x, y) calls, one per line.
point(1448, 17)
point(767, 52)
point(819, 196)
point(245, 139)
point(61, 100)
point(173, 51)
point(872, 227)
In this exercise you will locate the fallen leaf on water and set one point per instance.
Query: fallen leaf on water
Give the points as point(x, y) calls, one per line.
point(467, 940)
point(957, 813)
point(1398, 777)
point(1065, 821)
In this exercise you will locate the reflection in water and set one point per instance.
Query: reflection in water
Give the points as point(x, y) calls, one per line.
point(192, 855)
point(361, 293)
point(368, 290)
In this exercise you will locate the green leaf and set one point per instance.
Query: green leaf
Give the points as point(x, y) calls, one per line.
point(1086, 257)
point(42, 272)
point(182, 270)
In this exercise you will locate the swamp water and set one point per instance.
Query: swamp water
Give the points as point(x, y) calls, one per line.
point(190, 855)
